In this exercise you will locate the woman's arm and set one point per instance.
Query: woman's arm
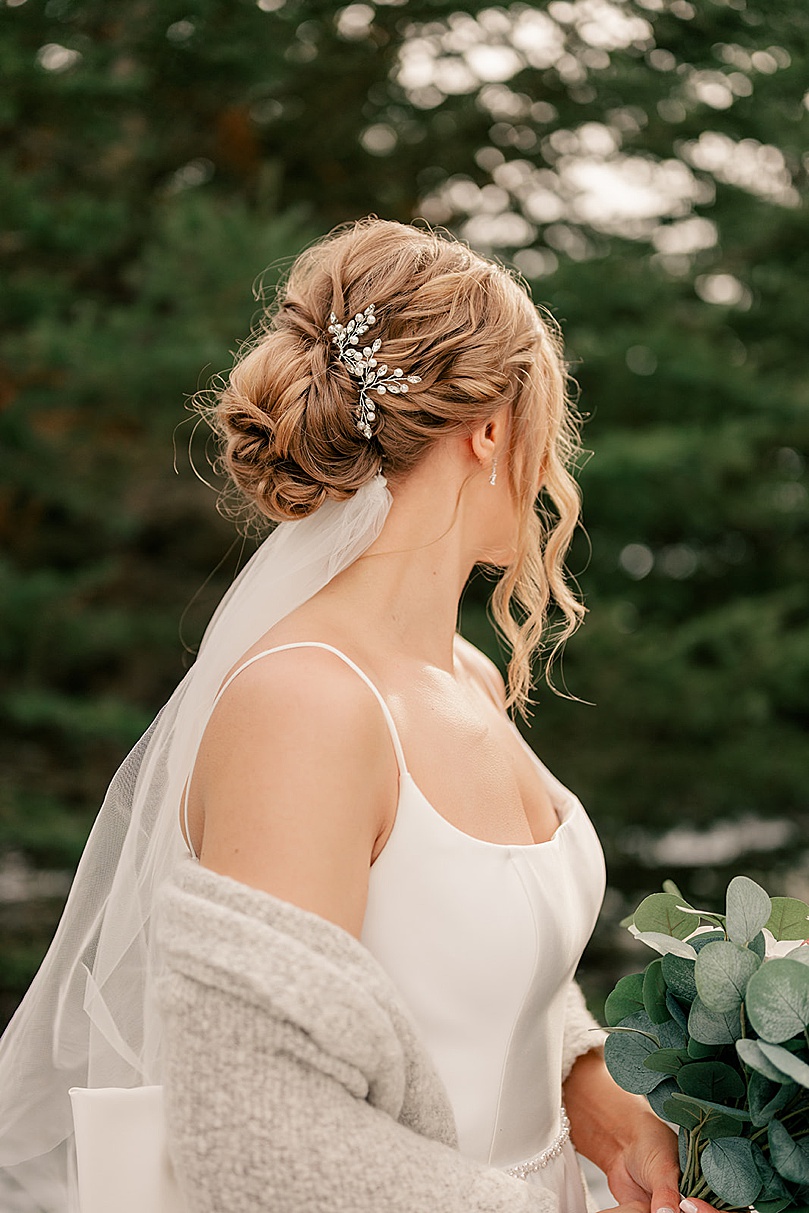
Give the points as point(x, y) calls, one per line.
point(295, 775)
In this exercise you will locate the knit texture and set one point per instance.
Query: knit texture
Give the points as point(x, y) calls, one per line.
point(295, 1078)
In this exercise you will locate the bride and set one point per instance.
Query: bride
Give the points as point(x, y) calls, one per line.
point(338, 778)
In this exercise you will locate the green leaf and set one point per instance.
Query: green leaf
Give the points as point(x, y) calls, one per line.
point(751, 1054)
point(675, 1011)
point(722, 972)
point(666, 944)
point(773, 1206)
point(679, 975)
point(698, 942)
point(625, 999)
point(660, 1094)
point(667, 1061)
point(789, 918)
point(670, 887)
point(654, 993)
point(712, 1108)
point(748, 909)
point(758, 944)
point(777, 999)
point(661, 913)
point(773, 1187)
point(766, 1098)
point(712, 1027)
point(713, 1120)
point(731, 1172)
point(625, 1052)
point(786, 1062)
point(713, 1080)
point(698, 1051)
point(789, 1157)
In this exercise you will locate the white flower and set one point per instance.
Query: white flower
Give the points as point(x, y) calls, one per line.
point(781, 947)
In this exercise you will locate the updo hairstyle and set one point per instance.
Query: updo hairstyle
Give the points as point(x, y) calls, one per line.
point(286, 415)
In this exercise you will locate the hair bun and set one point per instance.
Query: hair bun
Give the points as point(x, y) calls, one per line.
point(285, 419)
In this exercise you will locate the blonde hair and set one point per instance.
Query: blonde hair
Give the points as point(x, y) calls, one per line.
point(286, 414)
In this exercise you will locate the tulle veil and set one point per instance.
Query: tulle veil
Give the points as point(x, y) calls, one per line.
point(89, 1017)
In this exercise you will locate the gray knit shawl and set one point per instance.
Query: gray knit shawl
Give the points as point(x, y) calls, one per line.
point(295, 1077)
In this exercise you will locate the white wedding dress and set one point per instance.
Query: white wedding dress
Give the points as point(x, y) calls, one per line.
point(482, 940)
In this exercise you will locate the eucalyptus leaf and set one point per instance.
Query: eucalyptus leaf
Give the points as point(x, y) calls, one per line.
point(722, 972)
point(789, 918)
point(625, 999)
point(662, 913)
point(713, 1080)
point(678, 970)
point(789, 1157)
point(758, 944)
point(751, 1054)
point(698, 942)
point(699, 1052)
point(777, 999)
point(666, 944)
point(624, 1054)
point(712, 1027)
point(667, 1061)
point(731, 1172)
point(773, 1187)
point(622, 1029)
point(675, 1011)
point(654, 992)
point(668, 1035)
point(670, 887)
point(774, 1206)
point(765, 1099)
point(660, 1094)
point(748, 909)
point(679, 975)
point(712, 1108)
point(671, 1035)
point(713, 1120)
point(786, 1062)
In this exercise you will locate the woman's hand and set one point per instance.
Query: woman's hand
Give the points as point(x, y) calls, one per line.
point(621, 1134)
point(646, 1172)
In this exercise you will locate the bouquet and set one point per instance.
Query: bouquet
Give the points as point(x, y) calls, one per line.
point(714, 1033)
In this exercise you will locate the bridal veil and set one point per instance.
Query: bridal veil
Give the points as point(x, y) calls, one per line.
point(89, 1018)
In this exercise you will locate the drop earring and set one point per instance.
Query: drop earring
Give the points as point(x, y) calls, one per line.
point(493, 476)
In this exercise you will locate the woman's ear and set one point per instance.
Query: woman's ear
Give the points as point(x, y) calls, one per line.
point(489, 438)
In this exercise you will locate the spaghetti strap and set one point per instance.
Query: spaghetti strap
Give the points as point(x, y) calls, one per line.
point(299, 644)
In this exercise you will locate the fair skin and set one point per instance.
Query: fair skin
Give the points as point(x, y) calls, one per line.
point(283, 801)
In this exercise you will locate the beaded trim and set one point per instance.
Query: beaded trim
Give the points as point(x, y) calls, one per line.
point(544, 1157)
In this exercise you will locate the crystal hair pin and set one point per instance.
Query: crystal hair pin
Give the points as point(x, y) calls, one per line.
point(363, 364)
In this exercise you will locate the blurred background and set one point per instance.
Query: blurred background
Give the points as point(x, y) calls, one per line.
point(643, 163)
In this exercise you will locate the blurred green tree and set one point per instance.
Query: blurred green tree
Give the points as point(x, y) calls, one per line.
point(643, 164)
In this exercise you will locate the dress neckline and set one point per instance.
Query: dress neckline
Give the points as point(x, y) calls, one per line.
point(565, 804)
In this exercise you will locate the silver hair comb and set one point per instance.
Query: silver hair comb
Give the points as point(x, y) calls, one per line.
point(364, 365)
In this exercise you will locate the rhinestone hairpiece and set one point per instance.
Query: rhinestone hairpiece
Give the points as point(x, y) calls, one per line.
point(365, 366)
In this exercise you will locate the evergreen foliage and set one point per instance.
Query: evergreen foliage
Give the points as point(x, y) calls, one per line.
point(161, 156)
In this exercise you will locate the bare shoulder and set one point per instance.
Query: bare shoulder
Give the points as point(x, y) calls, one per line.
point(483, 668)
point(296, 777)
